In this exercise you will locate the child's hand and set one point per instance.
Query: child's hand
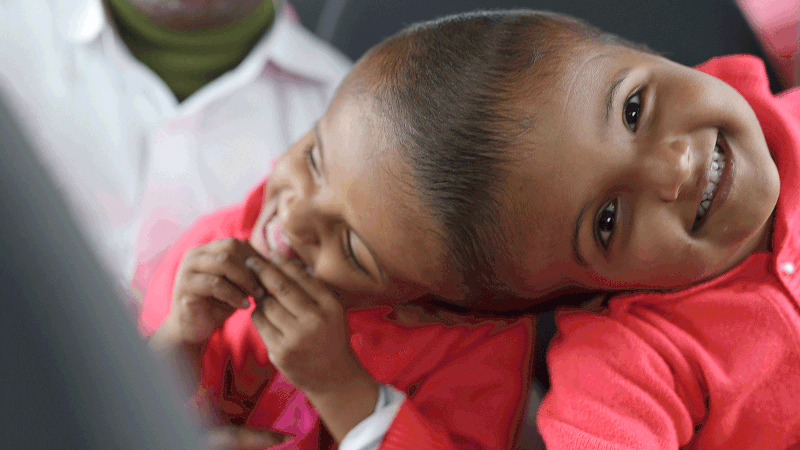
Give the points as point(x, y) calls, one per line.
point(212, 282)
point(304, 327)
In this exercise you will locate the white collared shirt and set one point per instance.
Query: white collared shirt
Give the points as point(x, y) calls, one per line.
point(136, 166)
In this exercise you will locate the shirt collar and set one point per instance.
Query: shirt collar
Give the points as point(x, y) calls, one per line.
point(296, 50)
point(80, 21)
point(287, 44)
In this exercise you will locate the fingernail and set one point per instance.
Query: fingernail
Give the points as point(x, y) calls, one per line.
point(252, 262)
point(245, 304)
point(260, 293)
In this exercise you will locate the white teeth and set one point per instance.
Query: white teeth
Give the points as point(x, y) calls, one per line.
point(714, 175)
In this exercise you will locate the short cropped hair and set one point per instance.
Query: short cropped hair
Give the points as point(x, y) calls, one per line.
point(448, 87)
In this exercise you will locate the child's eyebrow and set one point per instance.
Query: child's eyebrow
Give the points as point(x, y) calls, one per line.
point(613, 91)
point(575, 248)
point(323, 167)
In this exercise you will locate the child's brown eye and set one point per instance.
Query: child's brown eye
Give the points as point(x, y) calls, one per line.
point(633, 108)
point(606, 220)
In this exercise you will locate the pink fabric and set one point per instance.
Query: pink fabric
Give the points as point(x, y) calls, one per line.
point(716, 366)
point(775, 23)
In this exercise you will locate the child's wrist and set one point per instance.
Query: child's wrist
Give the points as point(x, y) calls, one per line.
point(345, 406)
point(168, 337)
point(361, 383)
point(163, 338)
point(181, 357)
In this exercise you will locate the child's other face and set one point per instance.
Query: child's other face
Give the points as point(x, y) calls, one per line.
point(618, 170)
point(340, 201)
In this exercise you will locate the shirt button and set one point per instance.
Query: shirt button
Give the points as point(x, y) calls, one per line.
point(787, 268)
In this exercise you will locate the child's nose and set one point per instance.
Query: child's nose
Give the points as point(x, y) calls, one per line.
point(669, 166)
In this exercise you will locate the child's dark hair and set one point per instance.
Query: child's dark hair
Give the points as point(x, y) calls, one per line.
point(448, 88)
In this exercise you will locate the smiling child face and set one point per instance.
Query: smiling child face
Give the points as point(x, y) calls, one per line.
point(637, 173)
point(340, 201)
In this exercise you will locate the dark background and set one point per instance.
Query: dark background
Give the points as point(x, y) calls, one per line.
point(686, 31)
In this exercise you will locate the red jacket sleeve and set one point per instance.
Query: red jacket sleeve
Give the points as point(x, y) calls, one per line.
point(475, 400)
point(612, 390)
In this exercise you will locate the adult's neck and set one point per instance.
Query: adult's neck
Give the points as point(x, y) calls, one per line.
point(195, 15)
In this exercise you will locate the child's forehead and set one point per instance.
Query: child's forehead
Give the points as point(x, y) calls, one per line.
point(576, 80)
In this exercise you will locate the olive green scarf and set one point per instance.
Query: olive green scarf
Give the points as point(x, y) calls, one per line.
point(187, 60)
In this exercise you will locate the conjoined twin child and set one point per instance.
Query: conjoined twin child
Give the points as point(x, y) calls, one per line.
point(493, 160)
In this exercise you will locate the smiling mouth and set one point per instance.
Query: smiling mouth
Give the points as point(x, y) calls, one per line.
point(280, 244)
point(715, 172)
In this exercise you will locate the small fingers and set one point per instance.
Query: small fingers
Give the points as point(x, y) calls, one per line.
point(281, 286)
point(288, 275)
point(226, 257)
point(217, 287)
point(276, 312)
point(220, 312)
point(275, 336)
point(321, 293)
point(268, 331)
point(223, 259)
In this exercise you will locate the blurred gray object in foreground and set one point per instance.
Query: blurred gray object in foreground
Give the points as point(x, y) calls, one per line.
point(74, 372)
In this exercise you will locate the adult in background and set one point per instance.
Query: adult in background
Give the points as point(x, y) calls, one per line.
point(149, 113)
